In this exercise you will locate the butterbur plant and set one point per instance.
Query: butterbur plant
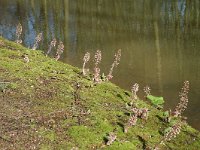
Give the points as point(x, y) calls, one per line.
point(147, 90)
point(137, 113)
point(37, 41)
point(111, 138)
point(141, 112)
point(170, 133)
point(134, 90)
point(97, 60)
point(145, 113)
point(52, 44)
point(114, 64)
point(18, 33)
point(182, 105)
point(173, 132)
point(131, 122)
point(60, 50)
point(86, 58)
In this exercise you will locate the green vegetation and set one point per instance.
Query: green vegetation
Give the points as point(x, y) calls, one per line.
point(45, 104)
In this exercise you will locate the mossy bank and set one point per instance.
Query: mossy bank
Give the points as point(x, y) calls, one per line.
point(45, 104)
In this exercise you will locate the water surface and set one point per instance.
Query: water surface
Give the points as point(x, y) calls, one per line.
point(160, 40)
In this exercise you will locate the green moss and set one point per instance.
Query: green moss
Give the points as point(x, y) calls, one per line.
point(125, 145)
point(84, 136)
point(40, 102)
point(47, 134)
point(45, 147)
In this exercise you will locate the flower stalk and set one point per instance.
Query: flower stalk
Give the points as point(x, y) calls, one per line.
point(52, 44)
point(114, 64)
point(86, 58)
point(18, 33)
point(97, 60)
point(37, 41)
point(60, 50)
point(182, 105)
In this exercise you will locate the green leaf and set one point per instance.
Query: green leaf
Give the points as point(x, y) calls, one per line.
point(156, 100)
point(173, 122)
point(166, 114)
point(103, 77)
point(167, 130)
point(4, 85)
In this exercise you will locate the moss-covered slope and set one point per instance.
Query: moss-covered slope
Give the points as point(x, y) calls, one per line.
point(46, 104)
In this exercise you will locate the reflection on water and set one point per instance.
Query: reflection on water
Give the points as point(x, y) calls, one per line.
point(160, 40)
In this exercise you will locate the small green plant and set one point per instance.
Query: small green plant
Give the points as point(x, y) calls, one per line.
point(103, 77)
point(167, 116)
point(3, 86)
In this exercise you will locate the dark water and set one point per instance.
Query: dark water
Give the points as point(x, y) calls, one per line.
point(160, 40)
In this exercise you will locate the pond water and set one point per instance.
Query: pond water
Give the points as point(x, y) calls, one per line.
point(160, 40)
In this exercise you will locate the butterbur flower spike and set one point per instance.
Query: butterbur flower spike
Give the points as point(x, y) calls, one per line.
point(60, 50)
point(97, 60)
point(52, 44)
point(175, 130)
point(131, 122)
point(86, 58)
point(97, 78)
point(147, 90)
point(134, 90)
point(111, 138)
point(141, 112)
point(18, 33)
point(145, 113)
point(182, 105)
point(37, 41)
point(168, 136)
point(114, 64)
